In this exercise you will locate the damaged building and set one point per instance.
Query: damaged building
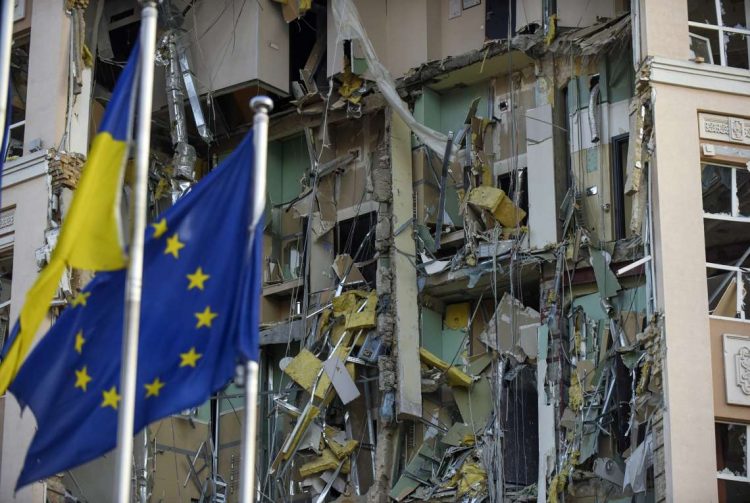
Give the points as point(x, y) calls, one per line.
point(484, 277)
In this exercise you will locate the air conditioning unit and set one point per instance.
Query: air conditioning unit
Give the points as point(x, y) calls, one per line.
point(236, 43)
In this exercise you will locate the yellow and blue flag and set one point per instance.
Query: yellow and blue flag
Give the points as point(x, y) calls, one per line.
point(90, 237)
point(199, 319)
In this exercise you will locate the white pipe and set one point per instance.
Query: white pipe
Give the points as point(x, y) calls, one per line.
point(134, 285)
point(262, 105)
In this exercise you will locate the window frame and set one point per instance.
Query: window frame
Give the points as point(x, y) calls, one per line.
point(719, 26)
point(734, 216)
point(740, 285)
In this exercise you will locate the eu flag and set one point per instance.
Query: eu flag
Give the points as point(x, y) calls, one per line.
point(199, 318)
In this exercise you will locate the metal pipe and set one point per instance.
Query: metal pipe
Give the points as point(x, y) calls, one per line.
point(6, 42)
point(261, 105)
point(184, 154)
point(192, 92)
point(134, 285)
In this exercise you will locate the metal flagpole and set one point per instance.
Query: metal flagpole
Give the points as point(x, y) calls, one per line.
point(6, 42)
point(262, 105)
point(135, 269)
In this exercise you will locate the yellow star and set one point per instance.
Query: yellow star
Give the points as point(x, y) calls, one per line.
point(197, 279)
point(190, 358)
point(174, 246)
point(80, 341)
point(111, 398)
point(160, 227)
point(80, 299)
point(82, 378)
point(152, 389)
point(205, 318)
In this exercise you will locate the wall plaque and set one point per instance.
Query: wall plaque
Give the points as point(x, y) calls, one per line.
point(724, 128)
point(737, 368)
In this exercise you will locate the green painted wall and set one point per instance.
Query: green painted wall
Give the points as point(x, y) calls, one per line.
point(287, 162)
point(443, 342)
point(447, 112)
point(455, 105)
point(427, 108)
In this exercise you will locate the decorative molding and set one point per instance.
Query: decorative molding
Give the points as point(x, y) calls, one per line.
point(724, 128)
point(742, 369)
point(699, 76)
point(7, 220)
point(737, 369)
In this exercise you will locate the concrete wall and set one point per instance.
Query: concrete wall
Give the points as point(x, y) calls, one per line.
point(681, 287)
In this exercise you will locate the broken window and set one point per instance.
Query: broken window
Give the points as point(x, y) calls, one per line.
point(498, 25)
point(726, 207)
point(719, 31)
point(19, 72)
point(355, 250)
point(731, 462)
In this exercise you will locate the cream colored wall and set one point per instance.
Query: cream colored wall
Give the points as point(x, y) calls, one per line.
point(666, 29)
point(407, 34)
point(30, 201)
point(722, 410)
point(48, 76)
point(463, 33)
point(407, 30)
point(681, 287)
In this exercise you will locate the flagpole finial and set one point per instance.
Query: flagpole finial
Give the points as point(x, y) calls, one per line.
point(262, 104)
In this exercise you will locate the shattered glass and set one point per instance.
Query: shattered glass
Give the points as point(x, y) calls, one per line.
point(732, 13)
point(743, 192)
point(735, 45)
point(731, 448)
point(717, 189)
point(701, 11)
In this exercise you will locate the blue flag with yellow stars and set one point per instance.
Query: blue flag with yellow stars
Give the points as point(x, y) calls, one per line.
point(199, 318)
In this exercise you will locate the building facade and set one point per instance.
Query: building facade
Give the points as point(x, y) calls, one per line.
point(484, 276)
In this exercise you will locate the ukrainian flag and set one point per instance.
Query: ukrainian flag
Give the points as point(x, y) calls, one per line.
point(90, 237)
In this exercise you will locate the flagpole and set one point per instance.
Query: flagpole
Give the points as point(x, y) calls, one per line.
point(6, 42)
point(261, 105)
point(126, 411)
